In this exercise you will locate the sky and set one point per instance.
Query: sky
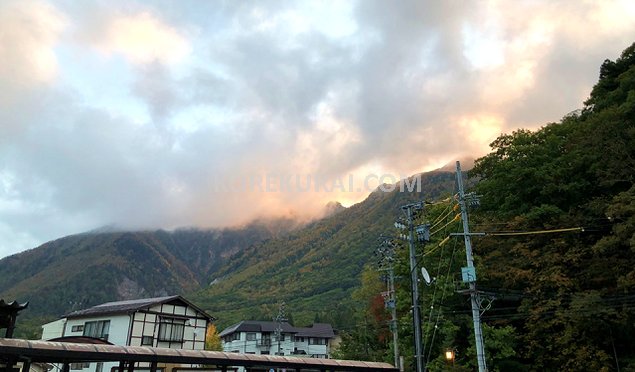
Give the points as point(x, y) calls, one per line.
point(192, 113)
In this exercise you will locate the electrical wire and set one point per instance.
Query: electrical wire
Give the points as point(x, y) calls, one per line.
point(514, 233)
point(442, 216)
point(447, 276)
point(455, 219)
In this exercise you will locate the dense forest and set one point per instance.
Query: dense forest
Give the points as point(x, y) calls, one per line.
point(558, 288)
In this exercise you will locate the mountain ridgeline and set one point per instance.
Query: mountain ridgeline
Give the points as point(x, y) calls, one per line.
point(82, 270)
point(233, 273)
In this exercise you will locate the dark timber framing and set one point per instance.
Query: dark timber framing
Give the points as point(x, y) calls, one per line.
point(16, 350)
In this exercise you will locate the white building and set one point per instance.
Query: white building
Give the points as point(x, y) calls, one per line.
point(167, 322)
point(258, 337)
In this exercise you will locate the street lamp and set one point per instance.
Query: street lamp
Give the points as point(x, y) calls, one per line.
point(449, 355)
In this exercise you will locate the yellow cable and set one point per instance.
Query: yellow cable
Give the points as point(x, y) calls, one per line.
point(440, 219)
point(456, 218)
point(536, 232)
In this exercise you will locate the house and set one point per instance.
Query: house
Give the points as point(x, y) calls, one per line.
point(260, 337)
point(166, 322)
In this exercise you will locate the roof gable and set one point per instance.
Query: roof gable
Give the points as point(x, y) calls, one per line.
point(129, 306)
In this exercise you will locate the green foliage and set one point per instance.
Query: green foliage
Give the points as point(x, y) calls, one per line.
point(564, 301)
point(368, 336)
point(83, 270)
point(574, 288)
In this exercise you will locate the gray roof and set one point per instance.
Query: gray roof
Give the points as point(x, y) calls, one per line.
point(315, 330)
point(128, 306)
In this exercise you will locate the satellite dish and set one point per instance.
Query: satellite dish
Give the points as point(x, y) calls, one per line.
point(425, 275)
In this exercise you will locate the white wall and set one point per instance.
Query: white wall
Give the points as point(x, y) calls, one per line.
point(117, 334)
point(53, 329)
point(287, 346)
point(144, 323)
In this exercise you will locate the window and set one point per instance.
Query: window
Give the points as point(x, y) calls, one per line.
point(171, 330)
point(317, 341)
point(264, 352)
point(98, 329)
point(235, 336)
point(251, 336)
point(299, 339)
point(77, 328)
point(78, 366)
point(147, 341)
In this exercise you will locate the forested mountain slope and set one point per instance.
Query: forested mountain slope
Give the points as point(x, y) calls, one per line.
point(313, 270)
point(83, 270)
point(558, 288)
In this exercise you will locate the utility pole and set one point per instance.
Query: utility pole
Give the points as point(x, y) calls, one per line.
point(469, 275)
point(388, 256)
point(409, 210)
point(393, 313)
point(281, 317)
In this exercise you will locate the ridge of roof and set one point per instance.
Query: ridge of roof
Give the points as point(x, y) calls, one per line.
point(315, 330)
point(127, 306)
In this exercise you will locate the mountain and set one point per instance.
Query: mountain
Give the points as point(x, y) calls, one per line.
point(315, 269)
point(87, 269)
point(232, 273)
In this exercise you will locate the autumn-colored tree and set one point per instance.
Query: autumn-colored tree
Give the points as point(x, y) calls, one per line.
point(212, 339)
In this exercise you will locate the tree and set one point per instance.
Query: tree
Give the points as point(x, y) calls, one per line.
point(212, 339)
point(368, 338)
point(573, 309)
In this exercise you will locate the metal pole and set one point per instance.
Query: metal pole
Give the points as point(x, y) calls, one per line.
point(416, 318)
point(474, 297)
point(393, 311)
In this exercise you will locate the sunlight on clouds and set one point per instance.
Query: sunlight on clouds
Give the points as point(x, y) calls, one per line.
point(614, 17)
point(329, 134)
point(143, 39)
point(523, 53)
point(479, 131)
point(505, 85)
point(482, 48)
point(29, 32)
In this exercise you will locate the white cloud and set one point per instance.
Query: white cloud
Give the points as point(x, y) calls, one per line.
point(29, 31)
point(143, 38)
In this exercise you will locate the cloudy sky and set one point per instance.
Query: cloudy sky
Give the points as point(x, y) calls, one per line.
point(145, 114)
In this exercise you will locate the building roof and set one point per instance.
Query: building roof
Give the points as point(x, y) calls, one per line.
point(315, 330)
point(130, 306)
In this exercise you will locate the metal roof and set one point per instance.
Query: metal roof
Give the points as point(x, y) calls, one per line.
point(58, 352)
point(316, 330)
point(128, 306)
